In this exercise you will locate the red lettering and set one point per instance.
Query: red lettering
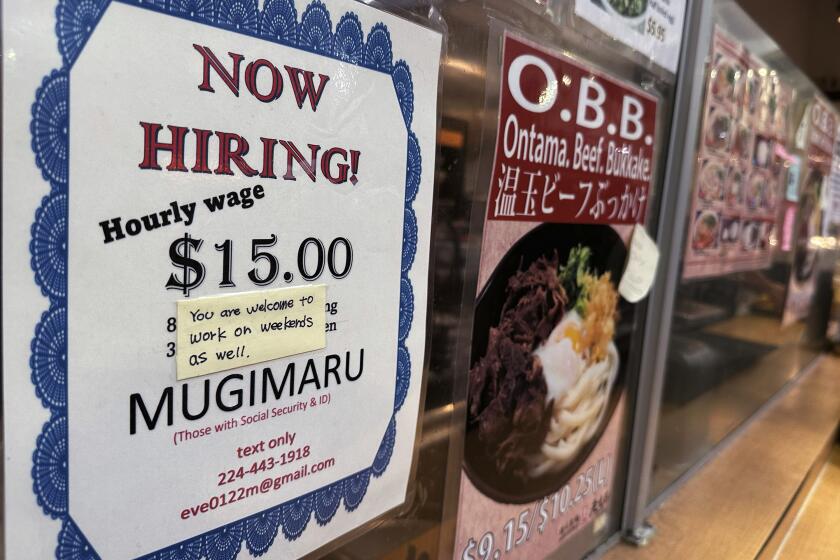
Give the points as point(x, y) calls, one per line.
point(306, 89)
point(202, 139)
point(342, 167)
point(151, 146)
point(268, 158)
point(293, 154)
point(227, 153)
point(251, 80)
point(231, 79)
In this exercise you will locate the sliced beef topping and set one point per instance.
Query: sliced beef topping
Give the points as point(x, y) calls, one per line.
point(507, 395)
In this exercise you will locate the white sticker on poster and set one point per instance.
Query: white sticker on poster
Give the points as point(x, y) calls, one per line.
point(641, 266)
point(652, 27)
point(285, 151)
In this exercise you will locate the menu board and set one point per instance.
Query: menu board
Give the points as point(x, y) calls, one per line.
point(216, 240)
point(652, 27)
point(741, 165)
point(821, 129)
point(572, 173)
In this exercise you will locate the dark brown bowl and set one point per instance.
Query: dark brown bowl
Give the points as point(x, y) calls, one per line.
point(608, 254)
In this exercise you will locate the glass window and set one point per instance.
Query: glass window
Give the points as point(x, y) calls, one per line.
point(752, 268)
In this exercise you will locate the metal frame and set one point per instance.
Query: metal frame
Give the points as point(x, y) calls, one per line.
point(670, 235)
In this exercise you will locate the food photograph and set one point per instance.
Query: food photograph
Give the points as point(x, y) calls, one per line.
point(705, 230)
point(725, 78)
point(752, 90)
point(750, 235)
point(718, 134)
point(633, 11)
point(756, 191)
point(735, 187)
point(712, 181)
point(730, 231)
point(771, 195)
point(768, 235)
point(743, 142)
point(549, 347)
point(763, 152)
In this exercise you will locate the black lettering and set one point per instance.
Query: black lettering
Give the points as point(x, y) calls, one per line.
point(361, 366)
point(331, 369)
point(214, 203)
point(307, 378)
point(185, 409)
point(136, 401)
point(236, 392)
point(268, 378)
point(112, 229)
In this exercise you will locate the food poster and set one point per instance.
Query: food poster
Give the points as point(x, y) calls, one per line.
point(216, 237)
point(808, 222)
point(652, 27)
point(547, 384)
point(741, 173)
point(831, 222)
point(791, 169)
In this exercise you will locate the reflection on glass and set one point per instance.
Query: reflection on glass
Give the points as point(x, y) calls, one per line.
point(728, 355)
point(751, 272)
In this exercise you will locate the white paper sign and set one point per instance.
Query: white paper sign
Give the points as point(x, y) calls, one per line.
point(652, 27)
point(194, 149)
point(641, 266)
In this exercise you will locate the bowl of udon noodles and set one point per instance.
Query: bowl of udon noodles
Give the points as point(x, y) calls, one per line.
point(550, 340)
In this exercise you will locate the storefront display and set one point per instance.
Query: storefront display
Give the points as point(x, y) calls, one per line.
point(382, 279)
point(735, 337)
point(572, 171)
point(742, 167)
point(230, 267)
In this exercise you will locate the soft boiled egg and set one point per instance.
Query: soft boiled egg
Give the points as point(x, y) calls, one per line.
point(560, 356)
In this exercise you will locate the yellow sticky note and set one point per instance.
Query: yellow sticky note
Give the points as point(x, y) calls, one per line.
point(223, 332)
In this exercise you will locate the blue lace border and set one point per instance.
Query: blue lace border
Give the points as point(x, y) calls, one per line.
point(277, 22)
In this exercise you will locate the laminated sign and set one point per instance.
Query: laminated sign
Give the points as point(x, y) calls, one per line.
point(216, 221)
point(820, 125)
point(745, 166)
point(654, 28)
point(546, 398)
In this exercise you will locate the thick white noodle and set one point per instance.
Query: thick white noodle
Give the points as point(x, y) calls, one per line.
point(577, 415)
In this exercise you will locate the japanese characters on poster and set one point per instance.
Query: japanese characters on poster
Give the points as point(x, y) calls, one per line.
point(743, 167)
point(244, 191)
point(572, 173)
point(652, 27)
